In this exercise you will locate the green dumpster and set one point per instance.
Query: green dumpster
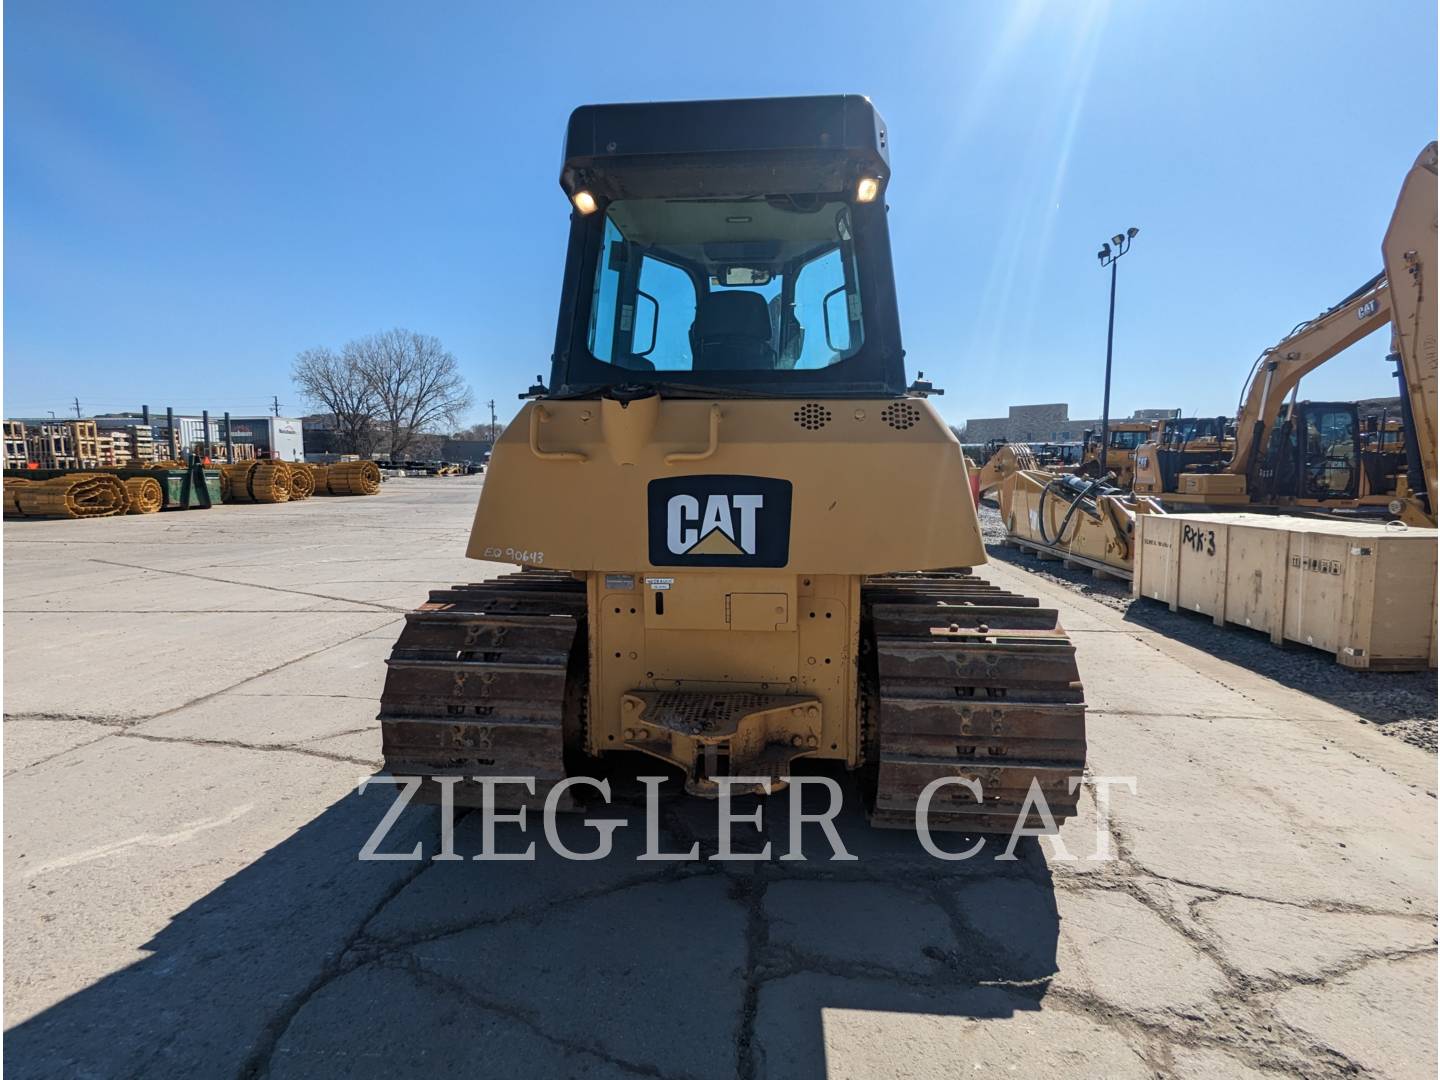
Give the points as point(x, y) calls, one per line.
point(192, 488)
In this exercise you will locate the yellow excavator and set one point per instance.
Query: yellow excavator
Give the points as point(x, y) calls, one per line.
point(745, 540)
point(1308, 455)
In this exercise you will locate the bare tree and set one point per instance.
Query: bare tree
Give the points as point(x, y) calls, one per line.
point(426, 447)
point(341, 389)
point(417, 384)
point(482, 432)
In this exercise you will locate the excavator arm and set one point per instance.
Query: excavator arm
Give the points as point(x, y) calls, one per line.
point(1281, 367)
point(1401, 296)
point(1409, 249)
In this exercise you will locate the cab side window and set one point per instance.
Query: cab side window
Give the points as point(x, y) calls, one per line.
point(607, 289)
point(827, 309)
point(664, 313)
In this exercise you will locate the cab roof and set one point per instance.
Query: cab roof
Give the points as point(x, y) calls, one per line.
point(728, 147)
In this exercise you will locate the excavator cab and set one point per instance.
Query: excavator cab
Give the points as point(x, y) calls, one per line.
point(744, 540)
point(1314, 453)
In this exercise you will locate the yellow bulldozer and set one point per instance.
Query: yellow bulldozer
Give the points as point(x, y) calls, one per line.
point(1118, 461)
point(744, 540)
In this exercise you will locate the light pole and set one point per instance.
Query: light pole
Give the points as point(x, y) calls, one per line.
point(1109, 256)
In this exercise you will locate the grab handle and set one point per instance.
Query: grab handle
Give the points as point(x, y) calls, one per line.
point(709, 451)
point(538, 415)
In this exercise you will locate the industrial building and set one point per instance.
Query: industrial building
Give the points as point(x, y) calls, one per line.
point(247, 436)
point(1045, 423)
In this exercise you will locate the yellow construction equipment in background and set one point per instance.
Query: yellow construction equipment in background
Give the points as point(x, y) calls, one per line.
point(1083, 521)
point(1125, 437)
point(1311, 458)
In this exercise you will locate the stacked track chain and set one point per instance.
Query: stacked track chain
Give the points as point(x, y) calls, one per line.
point(961, 678)
point(477, 685)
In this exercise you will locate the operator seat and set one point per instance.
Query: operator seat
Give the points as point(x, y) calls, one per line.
point(731, 332)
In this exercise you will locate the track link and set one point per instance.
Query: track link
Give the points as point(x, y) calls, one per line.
point(962, 678)
point(488, 680)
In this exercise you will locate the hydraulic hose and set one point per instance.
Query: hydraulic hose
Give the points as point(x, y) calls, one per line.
point(1080, 495)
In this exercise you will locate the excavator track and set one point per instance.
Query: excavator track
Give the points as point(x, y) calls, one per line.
point(961, 678)
point(489, 680)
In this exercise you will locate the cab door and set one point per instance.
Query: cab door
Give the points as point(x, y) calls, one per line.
point(1330, 450)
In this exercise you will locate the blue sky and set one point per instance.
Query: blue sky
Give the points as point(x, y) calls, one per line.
point(195, 192)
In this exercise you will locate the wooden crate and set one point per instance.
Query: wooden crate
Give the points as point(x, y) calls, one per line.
point(1365, 592)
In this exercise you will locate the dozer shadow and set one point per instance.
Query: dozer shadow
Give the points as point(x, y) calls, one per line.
point(309, 962)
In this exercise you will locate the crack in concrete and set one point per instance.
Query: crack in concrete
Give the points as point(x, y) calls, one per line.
point(270, 671)
point(1260, 985)
point(51, 757)
point(1244, 1030)
point(301, 694)
point(527, 1019)
point(751, 892)
point(126, 730)
point(1329, 907)
point(1231, 1036)
point(254, 585)
point(381, 946)
point(74, 718)
point(1250, 1030)
point(257, 1063)
point(233, 744)
point(368, 729)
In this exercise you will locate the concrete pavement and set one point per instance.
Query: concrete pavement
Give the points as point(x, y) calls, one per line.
point(190, 702)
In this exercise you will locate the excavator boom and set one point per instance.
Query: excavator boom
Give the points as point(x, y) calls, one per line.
point(1399, 296)
point(1410, 257)
point(1281, 367)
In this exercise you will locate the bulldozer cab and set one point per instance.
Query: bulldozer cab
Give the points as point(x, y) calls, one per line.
point(1314, 453)
point(725, 249)
point(1179, 444)
point(1185, 430)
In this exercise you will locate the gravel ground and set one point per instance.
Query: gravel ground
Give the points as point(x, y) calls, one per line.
point(1400, 704)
